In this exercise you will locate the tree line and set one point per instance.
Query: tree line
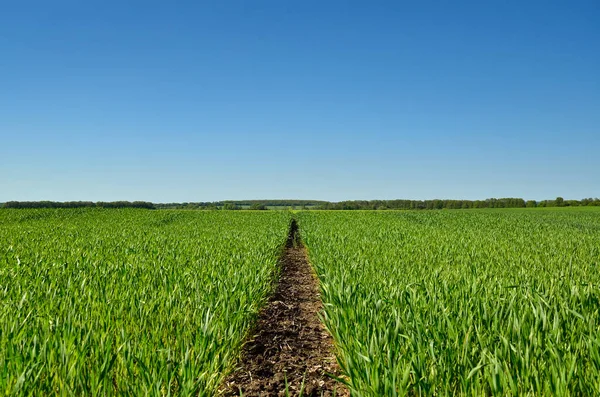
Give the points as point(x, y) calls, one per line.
point(79, 204)
point(454, 204)
point(242, 204)
point(314, 204)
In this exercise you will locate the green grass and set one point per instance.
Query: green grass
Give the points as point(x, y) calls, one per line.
point(134, 302)
point(478, 302)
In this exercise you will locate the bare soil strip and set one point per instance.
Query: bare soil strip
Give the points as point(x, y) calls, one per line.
point(290, 342)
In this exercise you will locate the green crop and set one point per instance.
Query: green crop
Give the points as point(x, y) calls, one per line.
point(134, 302)
point(490, 302)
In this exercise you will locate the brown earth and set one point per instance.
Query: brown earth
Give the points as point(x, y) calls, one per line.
point(290, 343)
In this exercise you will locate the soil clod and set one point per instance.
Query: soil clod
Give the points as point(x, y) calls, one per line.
point(291, 352)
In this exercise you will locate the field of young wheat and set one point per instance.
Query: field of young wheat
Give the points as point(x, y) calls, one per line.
point(502, 302)
point(136, 302)
point(140, 302)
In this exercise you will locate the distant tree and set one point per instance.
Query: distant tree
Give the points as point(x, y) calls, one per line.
point(257, 206)
point(559, 202)
point(231, 206)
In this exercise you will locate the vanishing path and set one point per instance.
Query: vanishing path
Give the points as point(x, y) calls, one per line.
point(289, 340)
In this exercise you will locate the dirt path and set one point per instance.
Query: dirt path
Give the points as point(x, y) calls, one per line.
point(289, 342)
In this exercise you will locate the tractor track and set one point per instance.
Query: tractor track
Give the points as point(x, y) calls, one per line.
point(290, 348)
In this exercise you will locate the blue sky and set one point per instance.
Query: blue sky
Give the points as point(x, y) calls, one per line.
point(201, 101)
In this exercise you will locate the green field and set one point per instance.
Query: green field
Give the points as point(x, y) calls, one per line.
point(140, 302)
point(477, 302)
point(135, 302)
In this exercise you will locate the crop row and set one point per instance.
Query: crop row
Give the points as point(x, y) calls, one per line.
point(502, 302)
point(134, 302)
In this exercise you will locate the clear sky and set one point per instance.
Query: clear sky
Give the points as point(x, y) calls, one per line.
point(172, 101)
